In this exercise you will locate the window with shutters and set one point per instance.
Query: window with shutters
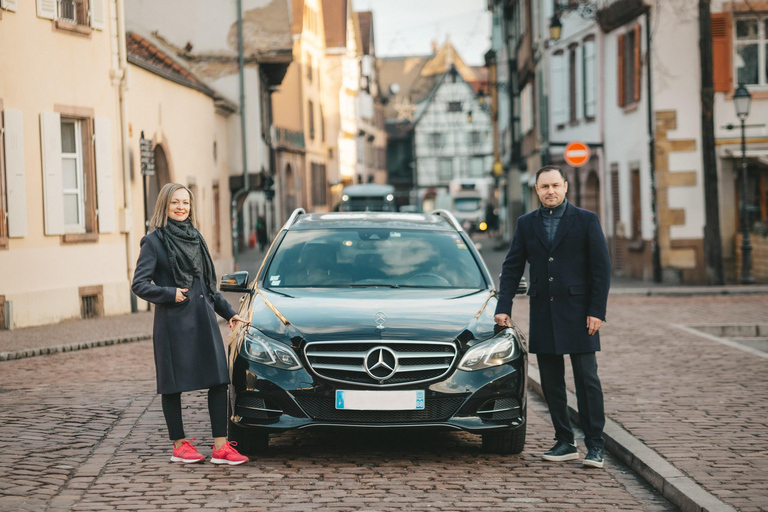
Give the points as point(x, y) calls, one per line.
point(722, 52)
point(630, 67)
point(77, 16)
point(750, 50)
point(70, 166)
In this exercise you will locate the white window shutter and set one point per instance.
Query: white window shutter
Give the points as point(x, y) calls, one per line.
point(50, 133)
point(590, 99)
point(104, 183)
point(9, 5)
point(46, 9)
point(14, 173)
point(558, 90)
point(98, 14)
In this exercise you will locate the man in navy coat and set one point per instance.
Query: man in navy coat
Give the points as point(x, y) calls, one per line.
point(569, 280)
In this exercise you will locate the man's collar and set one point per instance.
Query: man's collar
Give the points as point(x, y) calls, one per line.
point(557, 211)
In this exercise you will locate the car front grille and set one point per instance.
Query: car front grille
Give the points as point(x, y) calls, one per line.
point(435, 409)
point(404, 362)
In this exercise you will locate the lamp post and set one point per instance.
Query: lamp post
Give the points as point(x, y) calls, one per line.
point(741, 101)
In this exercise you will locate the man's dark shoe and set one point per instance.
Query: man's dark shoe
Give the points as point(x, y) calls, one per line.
point(562, 451)
point(594, 458)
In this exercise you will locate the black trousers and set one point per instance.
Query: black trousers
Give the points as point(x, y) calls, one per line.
point(589, 396)
point(217, 409)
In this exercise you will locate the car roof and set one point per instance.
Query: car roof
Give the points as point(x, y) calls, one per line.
point(357, 220)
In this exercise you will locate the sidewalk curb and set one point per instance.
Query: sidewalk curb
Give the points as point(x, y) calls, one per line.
point(688, 291)
point(69, 347)
point(669, 481)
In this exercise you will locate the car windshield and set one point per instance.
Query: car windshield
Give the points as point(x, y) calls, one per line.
point(466, 204)
point(373, 257)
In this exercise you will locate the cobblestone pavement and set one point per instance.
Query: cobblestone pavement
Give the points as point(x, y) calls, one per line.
point(84, 431)
point(701, 405)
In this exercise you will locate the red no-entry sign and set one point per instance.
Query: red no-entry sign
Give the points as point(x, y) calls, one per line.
point(576, 154)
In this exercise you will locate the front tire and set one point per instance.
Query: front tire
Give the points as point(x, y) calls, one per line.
point(506, 442)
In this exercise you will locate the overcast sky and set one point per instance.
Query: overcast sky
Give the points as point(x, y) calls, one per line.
point(408, 27)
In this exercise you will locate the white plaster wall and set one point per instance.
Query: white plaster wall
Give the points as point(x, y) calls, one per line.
point(44, 67)
point(677, 82)
point(625, 136)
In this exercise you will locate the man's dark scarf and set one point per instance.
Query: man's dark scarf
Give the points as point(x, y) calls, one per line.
point(188, 254)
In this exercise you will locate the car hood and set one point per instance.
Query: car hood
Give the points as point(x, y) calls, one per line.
point(413, 314)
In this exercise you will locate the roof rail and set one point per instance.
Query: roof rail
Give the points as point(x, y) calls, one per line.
point(449, 217)
point(293, 218)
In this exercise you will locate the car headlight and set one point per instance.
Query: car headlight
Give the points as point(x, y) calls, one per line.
point(260, 349)
point(496, 351)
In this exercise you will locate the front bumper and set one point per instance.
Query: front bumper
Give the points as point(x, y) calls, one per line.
point(274, 400)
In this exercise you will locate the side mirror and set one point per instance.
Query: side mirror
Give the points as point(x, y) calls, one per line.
point(237, 282)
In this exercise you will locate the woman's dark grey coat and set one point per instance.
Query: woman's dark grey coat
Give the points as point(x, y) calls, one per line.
point(189, 351)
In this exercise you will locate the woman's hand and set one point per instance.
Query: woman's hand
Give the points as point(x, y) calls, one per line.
point(234, 319)
point(180, 297)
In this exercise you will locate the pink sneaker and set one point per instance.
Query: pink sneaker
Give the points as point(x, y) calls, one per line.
point(186, 453)
point(228, 455)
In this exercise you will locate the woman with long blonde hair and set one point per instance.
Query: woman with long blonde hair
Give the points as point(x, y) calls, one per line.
point(175, 272)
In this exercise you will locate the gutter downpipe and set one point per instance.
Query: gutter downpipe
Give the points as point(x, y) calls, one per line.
point(655, 250)
point(125, 146)
point(243, 191)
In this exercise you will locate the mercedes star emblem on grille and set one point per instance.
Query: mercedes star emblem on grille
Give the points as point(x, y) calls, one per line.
point(381, 363)
point(380, 318)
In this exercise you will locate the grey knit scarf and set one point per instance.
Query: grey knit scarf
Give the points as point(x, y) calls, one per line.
point(188, 254)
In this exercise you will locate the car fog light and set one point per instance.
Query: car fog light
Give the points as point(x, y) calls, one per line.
point(496, 351)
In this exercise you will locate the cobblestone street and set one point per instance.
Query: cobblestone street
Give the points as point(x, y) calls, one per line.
point(84, 431)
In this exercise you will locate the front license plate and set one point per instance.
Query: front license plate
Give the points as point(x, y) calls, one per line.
point(379, 400)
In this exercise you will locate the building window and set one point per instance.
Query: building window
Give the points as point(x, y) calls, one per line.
point(309, 69)
point(636, 206)
point(318, 185)
point(322, 124)
point(572, 89)
point(73, 11)
point(526, 109)
point(436, 140)
point(558, 94)
point(454, 106)
point(444, 169)
point(311, 119)
point(476, 167)
point(72, 175)
point(588, 70)
point(475, 138)
point(752, 50)
point(629, 67)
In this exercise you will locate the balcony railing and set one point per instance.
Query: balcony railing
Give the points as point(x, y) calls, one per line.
point(73, 11)
point(289, 138)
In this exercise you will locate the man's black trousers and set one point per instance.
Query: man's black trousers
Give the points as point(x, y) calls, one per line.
point(589, 395)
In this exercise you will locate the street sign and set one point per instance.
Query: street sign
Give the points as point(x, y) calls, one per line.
point(576, 154)
point(147, 156)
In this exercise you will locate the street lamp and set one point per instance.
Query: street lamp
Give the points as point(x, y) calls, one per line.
point(741, 101)
point(586, 10)
point(555, 28)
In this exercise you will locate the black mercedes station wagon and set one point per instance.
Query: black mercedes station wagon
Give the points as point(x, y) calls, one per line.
point(362, 320)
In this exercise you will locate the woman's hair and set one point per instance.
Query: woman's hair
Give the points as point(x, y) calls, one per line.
point(160, 217)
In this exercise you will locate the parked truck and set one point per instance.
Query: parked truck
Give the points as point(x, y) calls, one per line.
point(471, 199)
